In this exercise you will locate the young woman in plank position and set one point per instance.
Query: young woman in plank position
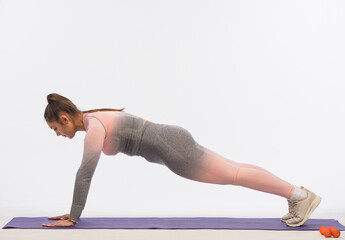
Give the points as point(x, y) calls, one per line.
point(112, 131)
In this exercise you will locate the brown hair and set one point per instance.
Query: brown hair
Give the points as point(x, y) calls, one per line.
point(58, 104)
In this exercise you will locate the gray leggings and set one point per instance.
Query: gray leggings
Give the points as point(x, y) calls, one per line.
point(175, 147)
point(172, 146)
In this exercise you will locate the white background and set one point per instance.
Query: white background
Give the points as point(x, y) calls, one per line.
point(259, 82)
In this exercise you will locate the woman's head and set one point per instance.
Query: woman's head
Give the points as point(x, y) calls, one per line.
point(58, 105)
point(62, 115)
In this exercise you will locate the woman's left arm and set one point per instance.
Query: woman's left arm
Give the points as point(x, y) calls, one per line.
point(93, 144)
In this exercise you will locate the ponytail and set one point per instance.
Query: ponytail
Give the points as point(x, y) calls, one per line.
point(58, 104)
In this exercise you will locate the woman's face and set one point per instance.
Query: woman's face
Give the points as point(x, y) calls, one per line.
point(64, 128)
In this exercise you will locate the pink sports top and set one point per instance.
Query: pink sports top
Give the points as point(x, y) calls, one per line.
point(109, 132)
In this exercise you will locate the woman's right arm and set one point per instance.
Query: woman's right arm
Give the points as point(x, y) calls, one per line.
point(93, 144)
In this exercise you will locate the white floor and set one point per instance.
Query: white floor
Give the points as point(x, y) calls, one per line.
point(85, 234)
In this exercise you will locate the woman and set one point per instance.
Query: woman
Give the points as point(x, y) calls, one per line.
point(112, 131)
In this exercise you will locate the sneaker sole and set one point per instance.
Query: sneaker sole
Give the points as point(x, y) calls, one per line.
point(284, 220)
point(311, 209)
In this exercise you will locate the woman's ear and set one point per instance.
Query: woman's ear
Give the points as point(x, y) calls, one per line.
point(64, 118)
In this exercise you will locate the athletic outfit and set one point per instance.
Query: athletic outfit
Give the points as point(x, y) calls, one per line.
point(112, 132)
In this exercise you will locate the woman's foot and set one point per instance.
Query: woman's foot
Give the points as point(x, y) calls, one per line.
point(299, 193)
point(302, 209)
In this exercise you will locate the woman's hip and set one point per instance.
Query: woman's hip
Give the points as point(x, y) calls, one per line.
point(169, 144)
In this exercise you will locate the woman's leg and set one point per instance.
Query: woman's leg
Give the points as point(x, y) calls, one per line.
point(175, 147)
point(219, 170)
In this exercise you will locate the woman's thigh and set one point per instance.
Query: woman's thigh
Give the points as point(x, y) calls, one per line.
point(185, 157)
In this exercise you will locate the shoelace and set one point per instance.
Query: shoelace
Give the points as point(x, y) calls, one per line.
point(292, 208)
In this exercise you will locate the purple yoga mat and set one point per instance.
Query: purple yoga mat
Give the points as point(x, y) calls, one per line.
point(176, 223)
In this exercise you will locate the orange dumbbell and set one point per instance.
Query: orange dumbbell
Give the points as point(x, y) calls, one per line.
point(325, 231)
point(335, 232)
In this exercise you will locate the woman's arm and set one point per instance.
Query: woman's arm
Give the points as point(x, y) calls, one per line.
point(93, 144)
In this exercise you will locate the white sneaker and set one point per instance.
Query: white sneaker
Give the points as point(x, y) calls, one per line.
point(289, 215)
point(302, 209)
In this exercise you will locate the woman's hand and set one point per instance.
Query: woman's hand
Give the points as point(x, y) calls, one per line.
point(62, 223)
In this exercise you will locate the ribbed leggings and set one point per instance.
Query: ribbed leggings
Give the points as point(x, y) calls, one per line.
point(174, 147)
